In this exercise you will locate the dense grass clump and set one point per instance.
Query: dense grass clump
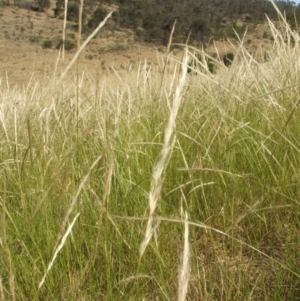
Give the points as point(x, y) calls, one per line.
point(198, 173)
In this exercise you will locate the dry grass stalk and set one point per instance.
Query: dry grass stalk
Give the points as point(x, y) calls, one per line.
point(167, 58)
point(160, 167)
point(1, 290)
point(184, 271)
point(64, 29)
point(79, 23)
point(75, 57)
point(72, 205)
point(287, 27)
point(2, 121)
point(58, 249)
point(8, 259)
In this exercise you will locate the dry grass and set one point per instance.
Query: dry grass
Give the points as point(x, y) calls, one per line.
point(166, 151)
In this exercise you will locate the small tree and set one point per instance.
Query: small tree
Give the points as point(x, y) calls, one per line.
point(73, 10)
point(98, 16)
point(228, 59)
point(43, 4)
point(4, 2)
point(47, 44)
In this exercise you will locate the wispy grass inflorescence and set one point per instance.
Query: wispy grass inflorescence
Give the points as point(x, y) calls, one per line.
point(60, 246)
point(184, 270)
point(161, 164)
point(83, 46)
point(64, 29)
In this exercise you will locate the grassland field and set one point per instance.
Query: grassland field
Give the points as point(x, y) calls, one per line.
point(151, 183)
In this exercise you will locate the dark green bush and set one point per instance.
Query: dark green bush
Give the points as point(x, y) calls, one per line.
point(43, 4)
point(73, 12)
point(117, 47)
point(228, 59)
point(98, 16)
point(47, 44)
point(73, 9)
point(69, 45)
point(34, 39)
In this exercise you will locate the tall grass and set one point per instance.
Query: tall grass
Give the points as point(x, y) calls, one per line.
point(76, 173)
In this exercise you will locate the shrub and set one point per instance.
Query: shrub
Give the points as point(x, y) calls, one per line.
point(89, 56)
point(71, 36)
point(44, 4)
point(47, 44)
point(117, 47)
point(265, 35)
point(7, 36)
point(35, 6)
point(34, 39)
point(235, 30)
point(40, 5)
point(249, 18)
point(23, 4)
point(98, 16)
point(155, 34)
point(69, 45)
point(73, 9)
point(228, 59)
point(139, 35)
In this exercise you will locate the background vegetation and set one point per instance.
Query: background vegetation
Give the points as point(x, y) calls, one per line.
point(201, 20)
point(152, 20)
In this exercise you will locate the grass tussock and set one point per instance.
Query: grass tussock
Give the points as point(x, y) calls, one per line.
point(79, 160)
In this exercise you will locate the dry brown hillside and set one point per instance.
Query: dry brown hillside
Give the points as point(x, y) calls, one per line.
point(24, 33)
